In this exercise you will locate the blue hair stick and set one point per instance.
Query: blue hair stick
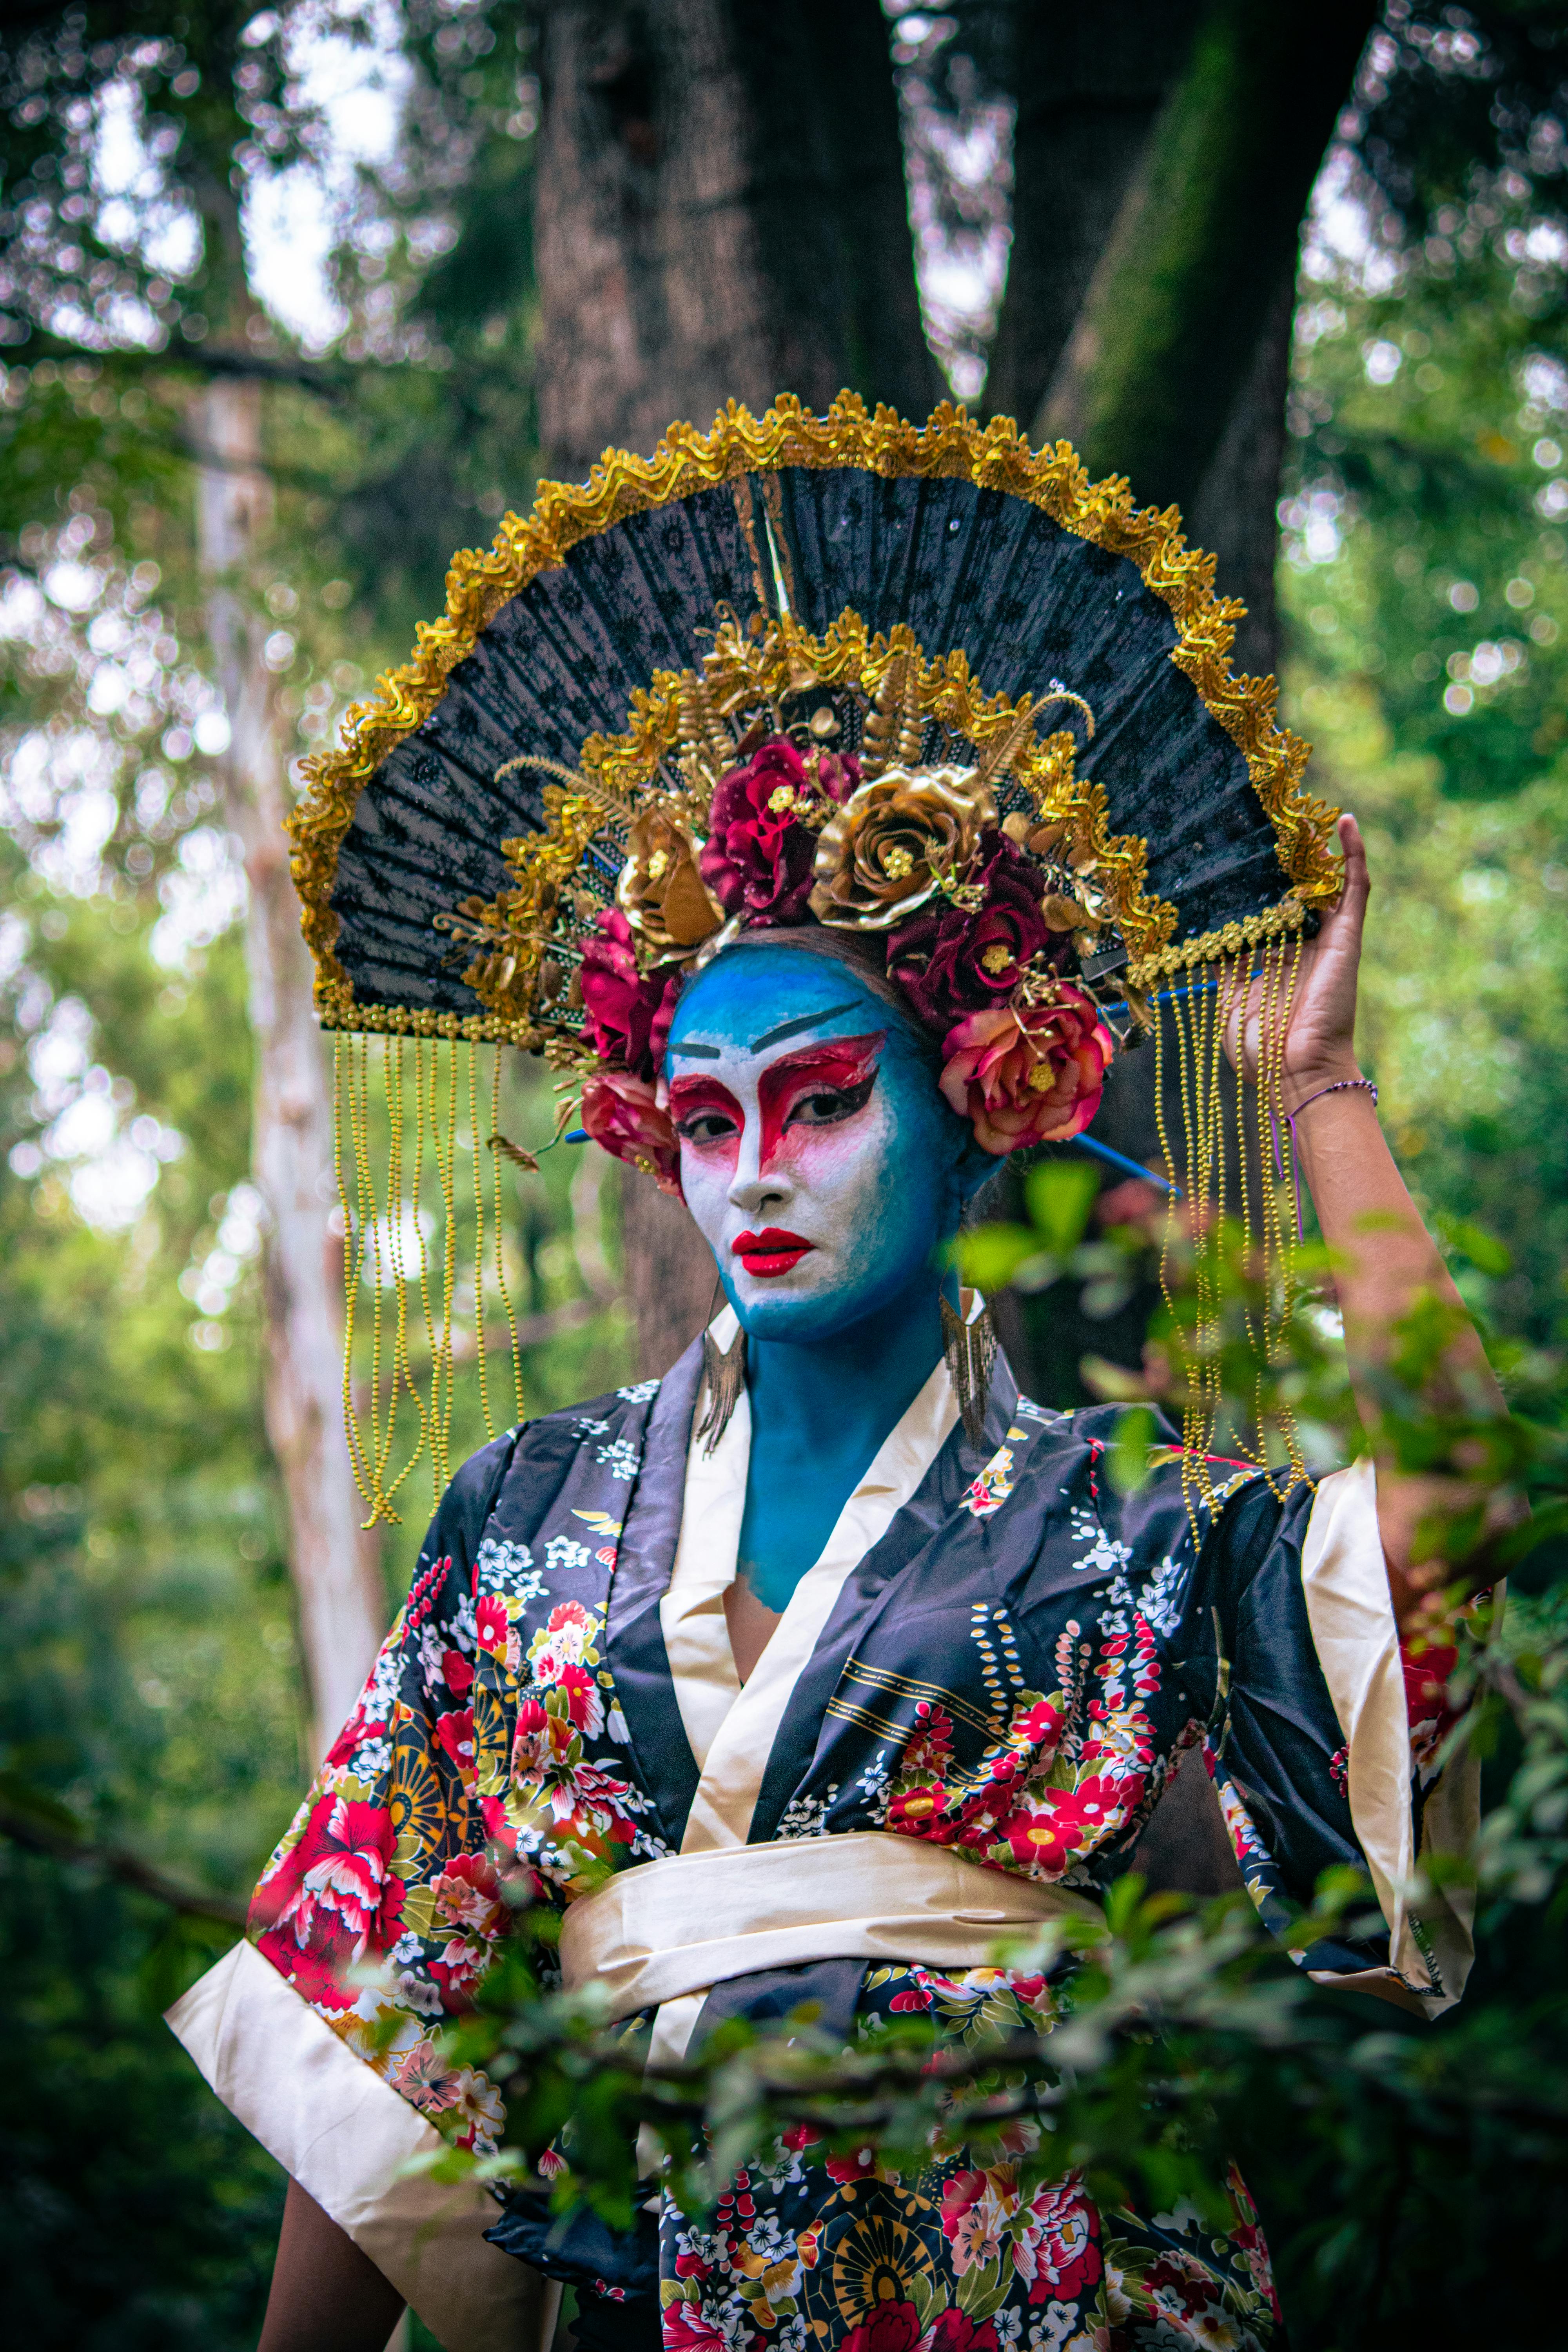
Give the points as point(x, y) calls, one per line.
point(1120, 1160)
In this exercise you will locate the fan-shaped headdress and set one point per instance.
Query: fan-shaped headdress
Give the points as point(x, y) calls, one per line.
point(920, 684)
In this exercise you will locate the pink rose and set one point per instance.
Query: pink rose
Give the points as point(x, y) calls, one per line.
point(1031, 1075)
point(629, 1013)
point(947, 963)
point(622, 1116)
point(759, 859)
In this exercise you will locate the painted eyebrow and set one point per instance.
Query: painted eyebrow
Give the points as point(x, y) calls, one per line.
point(807, 1021)
point(707, 1053)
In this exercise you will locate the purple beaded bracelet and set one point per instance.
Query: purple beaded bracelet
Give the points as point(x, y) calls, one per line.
point(1339, 1086)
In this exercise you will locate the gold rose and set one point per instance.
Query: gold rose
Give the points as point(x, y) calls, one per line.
point(660, 891)
point(896, 841)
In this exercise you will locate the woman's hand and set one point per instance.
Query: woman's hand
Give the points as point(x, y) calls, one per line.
point(1320, 1043)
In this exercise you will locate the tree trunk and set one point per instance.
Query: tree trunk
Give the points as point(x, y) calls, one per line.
point(720, 214)
point(1206, 232)
point(341, 1606)
point(1090, 84)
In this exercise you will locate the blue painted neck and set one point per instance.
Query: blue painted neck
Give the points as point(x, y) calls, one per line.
point(836, 1399)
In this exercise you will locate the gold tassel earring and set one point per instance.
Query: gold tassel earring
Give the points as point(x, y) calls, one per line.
point(726, 1377)
point(971, 1352)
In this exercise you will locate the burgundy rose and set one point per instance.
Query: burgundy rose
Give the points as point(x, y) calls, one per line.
point(949, 963)
point(838, 774)
point(628, 1013)
point(759, 858)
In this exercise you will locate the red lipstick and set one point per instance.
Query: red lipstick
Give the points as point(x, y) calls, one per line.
point(773, 1251)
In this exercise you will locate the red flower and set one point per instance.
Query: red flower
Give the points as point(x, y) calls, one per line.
point(467, 1894)
point(688, 2329)
point(1032, 1075)
point(913, 1998)
point(759, 859)
point(457, 1671)
point(629, 1013)
point(954, 2332)
point(892, 2328)
point(493, 1628)
point(913, 1811)
point(838, 774)
point(1039, 1723)
point(455, 1737)
point(622, 1117)
point(859, 2166)
point(948, 963)
point(584, 1708)
point(331, 1894)
point(1046, 1839)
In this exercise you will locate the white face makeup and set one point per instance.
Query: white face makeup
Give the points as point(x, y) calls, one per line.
point(815, 1154)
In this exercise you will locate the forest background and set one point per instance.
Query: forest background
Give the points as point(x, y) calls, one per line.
point(293, 303)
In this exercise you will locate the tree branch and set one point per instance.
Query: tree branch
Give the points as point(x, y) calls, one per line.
point(332, 383)
point(45, 1833)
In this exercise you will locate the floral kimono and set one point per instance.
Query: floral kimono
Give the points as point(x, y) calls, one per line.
point(997, 1658)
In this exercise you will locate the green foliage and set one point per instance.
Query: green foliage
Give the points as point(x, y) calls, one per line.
point(1426, 591)
point(1417, 2171)
point(150, 1688)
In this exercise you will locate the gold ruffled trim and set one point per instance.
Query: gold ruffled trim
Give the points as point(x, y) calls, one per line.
point(622, 771)
point(1210, 947)
point(951, 446)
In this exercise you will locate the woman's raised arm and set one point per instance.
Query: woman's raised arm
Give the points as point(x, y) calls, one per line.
point(1387, 1257)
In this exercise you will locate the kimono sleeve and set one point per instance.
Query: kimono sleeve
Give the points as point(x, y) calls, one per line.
point(1328, 1733)
point(380, 1906)
point(372, 1924)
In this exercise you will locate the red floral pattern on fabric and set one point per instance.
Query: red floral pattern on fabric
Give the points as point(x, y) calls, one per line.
point(1075, 1768)
point(1428, 1666)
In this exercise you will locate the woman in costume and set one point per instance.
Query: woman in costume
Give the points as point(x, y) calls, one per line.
point(808, 1671)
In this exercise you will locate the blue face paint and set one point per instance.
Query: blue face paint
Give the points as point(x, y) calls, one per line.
point(826, 1172)
point(807, 1108)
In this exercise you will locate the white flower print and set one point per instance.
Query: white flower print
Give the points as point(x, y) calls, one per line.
point(639, 1392)
point(806, 1817)
point(1104, 1551)
point(561, 1551)
point(620, 1456)
point(508, 1567)
point(1161, 1599)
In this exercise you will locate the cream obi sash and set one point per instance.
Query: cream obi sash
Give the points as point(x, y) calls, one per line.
point(665, 1929)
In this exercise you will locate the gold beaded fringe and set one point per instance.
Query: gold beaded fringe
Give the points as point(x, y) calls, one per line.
point(398, 1141)
point(1254, 989)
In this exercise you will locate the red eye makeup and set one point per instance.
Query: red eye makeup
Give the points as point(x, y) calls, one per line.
point(819, 1086)
point(705, 1113)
